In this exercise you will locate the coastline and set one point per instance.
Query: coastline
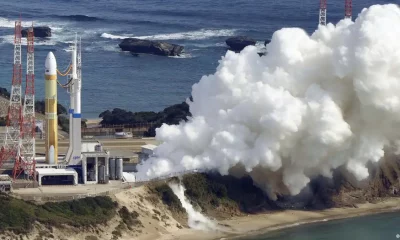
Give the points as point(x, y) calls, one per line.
point(259, 224)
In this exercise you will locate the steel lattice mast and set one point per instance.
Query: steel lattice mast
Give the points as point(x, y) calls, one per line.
point(348, 9)
point(28, 122)
point(322, 12)
point(12, 143)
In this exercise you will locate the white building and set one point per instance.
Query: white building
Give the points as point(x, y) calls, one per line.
point(147, 152)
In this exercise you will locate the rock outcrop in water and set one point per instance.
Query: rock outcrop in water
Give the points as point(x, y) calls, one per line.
point(135, 45)
point(40, 32)
point(239, 42)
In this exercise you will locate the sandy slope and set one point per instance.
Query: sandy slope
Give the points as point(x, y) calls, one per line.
point(138, 200)
point(159, 223)
point(256, 224)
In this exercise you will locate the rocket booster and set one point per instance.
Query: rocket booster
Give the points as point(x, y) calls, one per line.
point(51, 107)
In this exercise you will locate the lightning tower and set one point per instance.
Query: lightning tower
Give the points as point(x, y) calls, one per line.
point(28, 122)
point(12, 141)
point(348, 9)
point(322, 12)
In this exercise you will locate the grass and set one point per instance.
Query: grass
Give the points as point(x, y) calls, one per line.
point(212, 190)
point(130, 218)
point(168, 197)
point(18, 216)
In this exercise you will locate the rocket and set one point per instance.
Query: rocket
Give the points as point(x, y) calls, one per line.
point(51, 141)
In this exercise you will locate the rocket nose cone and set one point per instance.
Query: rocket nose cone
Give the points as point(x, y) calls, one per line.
point(50, 64)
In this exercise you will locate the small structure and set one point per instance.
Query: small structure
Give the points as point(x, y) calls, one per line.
point(57, 176)
point(93, 156)
point(147, 152)
point(128, 177)
point(5, 183)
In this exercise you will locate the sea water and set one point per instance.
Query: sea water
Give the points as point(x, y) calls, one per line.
point(383, 226)
point(115, 79)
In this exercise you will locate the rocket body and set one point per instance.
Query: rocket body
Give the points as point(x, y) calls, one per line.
point(51, 107)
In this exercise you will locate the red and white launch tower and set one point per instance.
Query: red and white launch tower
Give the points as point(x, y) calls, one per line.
point(12, 141)
point(19, 141)
point(28, 123)
point(348, 9)
point(322, 12)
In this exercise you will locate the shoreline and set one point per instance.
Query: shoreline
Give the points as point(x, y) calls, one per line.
point(259, 224)
point(316, 221)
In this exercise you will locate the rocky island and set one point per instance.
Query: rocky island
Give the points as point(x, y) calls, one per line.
point(135, 45)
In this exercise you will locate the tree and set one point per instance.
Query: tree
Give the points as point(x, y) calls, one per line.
point(170, 115)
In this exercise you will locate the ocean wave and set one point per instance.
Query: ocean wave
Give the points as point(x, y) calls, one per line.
point(7, 23)
point(55, 27)
point(78, 17)
point(54, 40)
point(191, 35)
point(111, 36)
point(183, 55)
point(205, 45)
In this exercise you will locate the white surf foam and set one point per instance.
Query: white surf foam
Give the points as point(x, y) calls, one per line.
point(7, 23)
point(191, 35)
point(54, 40)
point(59, 35)
point(183, 55)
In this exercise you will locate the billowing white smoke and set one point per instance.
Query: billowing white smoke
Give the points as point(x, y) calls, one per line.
point(312, 104)
point(196, 220)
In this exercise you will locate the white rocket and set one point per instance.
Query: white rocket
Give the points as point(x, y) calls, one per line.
point(73, 156)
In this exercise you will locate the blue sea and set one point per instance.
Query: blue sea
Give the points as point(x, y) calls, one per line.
point(384, 226)
point(115, 79)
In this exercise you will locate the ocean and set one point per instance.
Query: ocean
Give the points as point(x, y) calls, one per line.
point(374, 227)
point(115, 79)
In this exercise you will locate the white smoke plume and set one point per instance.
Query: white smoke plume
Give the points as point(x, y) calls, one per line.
point(314, 103)
point(196, 220)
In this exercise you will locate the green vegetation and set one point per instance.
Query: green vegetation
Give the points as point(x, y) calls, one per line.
point(63, 122)
point(4, 93)
point(213, 192)
point(129, 218)
point(128, 221)
point(18, 216)
point(168, 197)
point(170, 115)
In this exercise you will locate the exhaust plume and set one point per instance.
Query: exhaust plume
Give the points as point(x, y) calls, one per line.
point(196, 220)
point(312, 104)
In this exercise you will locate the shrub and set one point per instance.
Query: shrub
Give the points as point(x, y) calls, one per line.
point(18, 216)
point(170, 115)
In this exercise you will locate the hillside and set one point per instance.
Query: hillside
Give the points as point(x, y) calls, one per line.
point(154, 212)
point(224, 196)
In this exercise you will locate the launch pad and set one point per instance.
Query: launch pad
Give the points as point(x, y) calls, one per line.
point(84, 161)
